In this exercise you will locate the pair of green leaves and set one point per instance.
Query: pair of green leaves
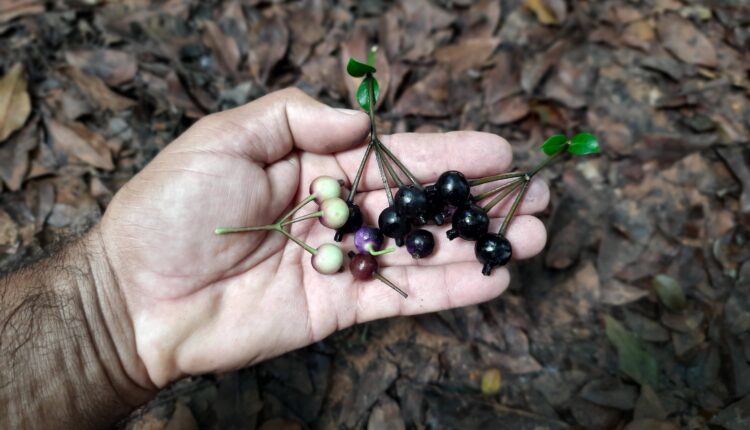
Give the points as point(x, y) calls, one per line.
point(580, 144)
point(358, 70)
point(633, 360)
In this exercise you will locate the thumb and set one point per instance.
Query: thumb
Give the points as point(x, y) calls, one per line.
point(267, 129)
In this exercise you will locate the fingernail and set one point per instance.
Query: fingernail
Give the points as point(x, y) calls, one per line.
point(348, 111)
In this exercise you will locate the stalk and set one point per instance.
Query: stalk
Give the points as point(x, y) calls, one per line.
point(493, 191)
point(502, 195)
point(385, 280)
point(514, 207)
point(360, 170)
point(299, 242)
point(391, 171)
point(317, 214)
point(494, 178)
point(400, 165)
point(299, 206)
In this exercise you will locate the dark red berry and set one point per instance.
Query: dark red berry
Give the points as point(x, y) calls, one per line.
point(470, 222)
point(353, 223)
point(363, 266)
point(420, 243)
point(453, 188)
point(492, 250)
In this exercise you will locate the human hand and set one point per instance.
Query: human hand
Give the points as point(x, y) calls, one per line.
point(196, 302)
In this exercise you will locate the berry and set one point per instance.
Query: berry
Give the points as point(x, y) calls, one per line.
point(412, 203)
point(324, 188)
point(435, 204)
point(470, 222)
point(368, 239)
point(454, 188)
point(392, 224)
point(328, 259)
point(335, 213)
point(420, 243)
point(352, 223)
point(492, 250)
point(363, 266)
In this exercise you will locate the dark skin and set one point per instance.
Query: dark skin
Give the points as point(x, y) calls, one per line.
point(150, 295)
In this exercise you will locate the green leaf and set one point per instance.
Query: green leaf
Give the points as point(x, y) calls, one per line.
point(584, 143)
point(554, 143)
point(670, 292)
point(363, 96)
point(633, 360)
point(357, 69)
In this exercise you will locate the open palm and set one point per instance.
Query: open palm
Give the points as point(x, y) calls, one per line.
point(202, 303)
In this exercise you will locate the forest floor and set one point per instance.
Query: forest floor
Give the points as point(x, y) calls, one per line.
point(635, 316)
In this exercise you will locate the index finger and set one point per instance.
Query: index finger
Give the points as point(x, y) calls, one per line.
point(427, 155)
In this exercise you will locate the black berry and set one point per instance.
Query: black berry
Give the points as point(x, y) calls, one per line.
point(435, 204)
point(420, 243)
point(353, 223)
point(470, 222)
point(412, 203)
point(492, 250)
point(454, 188)
point(393, 224)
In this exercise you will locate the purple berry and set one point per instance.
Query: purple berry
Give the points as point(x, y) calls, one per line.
point(368, 239)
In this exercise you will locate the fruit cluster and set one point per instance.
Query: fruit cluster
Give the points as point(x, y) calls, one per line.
point(414, 205)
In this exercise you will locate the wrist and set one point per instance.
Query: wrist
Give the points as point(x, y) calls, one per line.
point(66, 343)
point(106, 314)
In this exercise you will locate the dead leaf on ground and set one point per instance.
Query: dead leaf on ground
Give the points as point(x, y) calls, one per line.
point(428, 97)
point(225, 49)
point(467, 53)
point(508, 110)
point(548, 11)
point(482, 18)
point(268, 42)
point(503, 80)
point(14, 156)
point(76, 141)
point(98, 92)
point(10, 9)
point(685, 41)
point(8, 233)
point(618, 293)
point(112, 66)
point(15, 103)
point(639, 35)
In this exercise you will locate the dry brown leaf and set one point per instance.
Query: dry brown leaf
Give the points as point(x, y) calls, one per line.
point(548, 11)
point(14, 156)
point(15, 104)
point(683, 40)
point(508, 110)
point(224, 47)
point(428, 97)
point(482, 18)
point(467, 54)
point(503, 80)
point(268, 42)
point(639, 34)
point(98, 92)
point(76, 141)
point(10, 9)
point(618, 293)
point(111, 66)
